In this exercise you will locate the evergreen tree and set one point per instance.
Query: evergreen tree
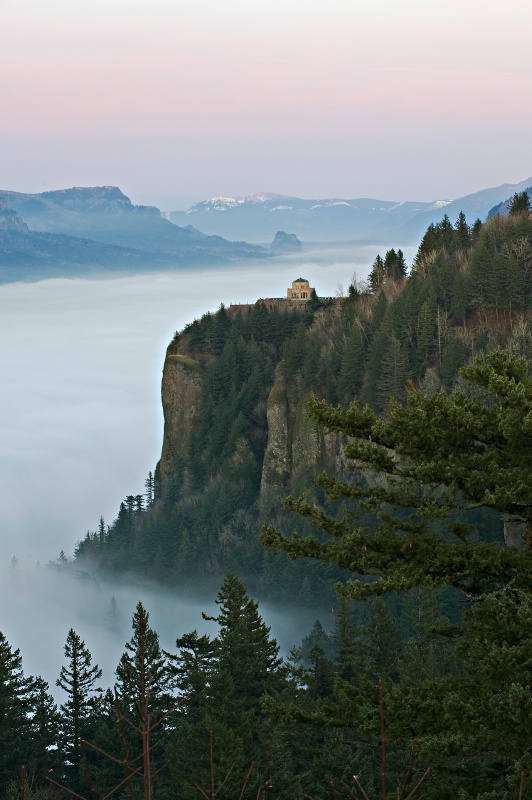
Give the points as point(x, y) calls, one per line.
point(425, 334)
point(519, 204)
point(440, 455)
point(45, 757)
point(463, 231)
point(476, 228)
point(316, 638)
point(391, 384)
point(347, 642)
point(149, 484)
point(314, 302)
point(482, 274)
point(103, 532)
point(394, 265)
point(383, 642)
point(377, 275)
point(15, 709)
point(352, 365)
point(192, 667)
point(454, 356)
point(77, 679)
point(491, 704)
point(228, 677)
point(426, 252)
point(143, 668)
point(243, 645)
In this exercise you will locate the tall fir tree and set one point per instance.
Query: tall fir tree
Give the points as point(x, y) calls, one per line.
point(16, 708)
point(78, 680)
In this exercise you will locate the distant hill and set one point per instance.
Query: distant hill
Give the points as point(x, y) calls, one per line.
point(504, 207)
point(87, 229)
point(258, 217)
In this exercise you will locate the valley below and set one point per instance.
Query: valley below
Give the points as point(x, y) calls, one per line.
point(81, 427)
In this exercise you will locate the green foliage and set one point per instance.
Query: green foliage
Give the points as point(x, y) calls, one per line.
point(377, 274)
point(391, 384)
point(15, 710)
point(440, 455)
point(228, 677)
point(142, 668)
point(519, 204)
point(77, 679)
point(468, 289)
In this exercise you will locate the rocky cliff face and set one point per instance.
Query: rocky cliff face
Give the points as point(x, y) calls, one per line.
point(181, 394)
point(296, 449)
point(10, 221)
point(286, 243)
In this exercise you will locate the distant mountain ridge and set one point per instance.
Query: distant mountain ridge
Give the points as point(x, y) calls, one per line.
point(504, 207)
point(257, 217)
point(86, 229)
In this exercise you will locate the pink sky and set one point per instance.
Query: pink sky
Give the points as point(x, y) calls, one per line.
point(179, 101)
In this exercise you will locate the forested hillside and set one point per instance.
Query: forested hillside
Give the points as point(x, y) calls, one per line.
point(420, 687)
point(227, 710)
point(238, 437)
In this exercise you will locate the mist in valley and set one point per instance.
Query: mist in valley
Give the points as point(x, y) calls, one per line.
point(81, 426)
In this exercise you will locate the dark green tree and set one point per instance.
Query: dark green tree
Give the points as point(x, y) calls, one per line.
point(15, 708)
point(425, 333)
point(45, 758)
point(494, 713)
point(352, 365)
point(454, 357)
point(314, 302)
point(519, 204)
point(244, 649)
point(463, 232)
point(78, 680)
point(440, 457)
point(228, 678)
point(316, 638)
point(377, 275)
point(391, 384)
point(394, 265)
point(143, 668)
point(192, 667)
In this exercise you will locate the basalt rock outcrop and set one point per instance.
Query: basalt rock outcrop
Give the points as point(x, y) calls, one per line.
point(181, 398)
point(285, 243)
point(10, 221)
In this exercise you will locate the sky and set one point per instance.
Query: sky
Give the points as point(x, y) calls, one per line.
point(180, 101)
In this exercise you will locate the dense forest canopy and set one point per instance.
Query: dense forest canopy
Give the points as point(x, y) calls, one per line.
point(469, 291)
point(421, 388)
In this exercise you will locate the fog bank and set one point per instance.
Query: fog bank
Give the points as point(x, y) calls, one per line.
point(81, 426)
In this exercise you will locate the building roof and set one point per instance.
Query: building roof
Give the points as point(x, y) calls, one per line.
point(300, 280)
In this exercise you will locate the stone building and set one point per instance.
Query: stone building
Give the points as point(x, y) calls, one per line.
point(301, 290)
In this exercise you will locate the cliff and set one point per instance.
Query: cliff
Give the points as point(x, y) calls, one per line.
point(181, 398)
point(96, 229)
point(10, 221)
point(238, 438)
point(286, 243)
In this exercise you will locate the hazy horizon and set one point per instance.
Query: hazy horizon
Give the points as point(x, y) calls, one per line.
point(175, 104)
point(80, 411)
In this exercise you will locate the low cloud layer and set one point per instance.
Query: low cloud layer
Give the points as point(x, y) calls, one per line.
point(81, 426)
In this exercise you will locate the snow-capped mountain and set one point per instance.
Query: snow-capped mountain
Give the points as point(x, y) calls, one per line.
point(257, 217)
